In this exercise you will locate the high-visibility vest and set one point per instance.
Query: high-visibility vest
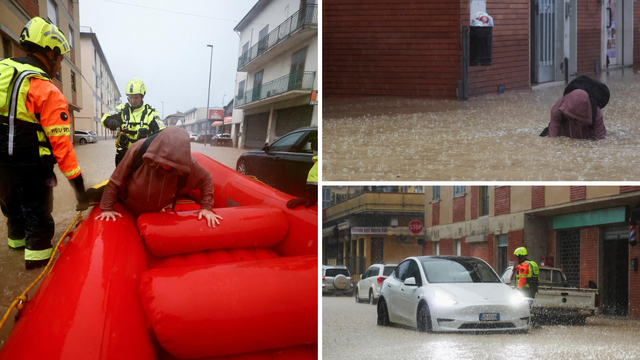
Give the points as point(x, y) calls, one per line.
point(22, 137)
point(133, 120)
point(312, 177)
point(530, 272)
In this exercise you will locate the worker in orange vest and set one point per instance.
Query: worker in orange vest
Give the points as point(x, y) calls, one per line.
point(35, 134)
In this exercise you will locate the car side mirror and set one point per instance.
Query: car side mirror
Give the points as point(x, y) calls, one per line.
point(265, 148)
point(410, 282)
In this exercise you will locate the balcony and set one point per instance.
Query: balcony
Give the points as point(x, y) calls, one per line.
point(282, 88)
point(297, 28)
point(377, 203)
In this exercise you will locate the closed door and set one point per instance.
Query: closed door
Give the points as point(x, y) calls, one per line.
point(617, 27)
point(544, 31)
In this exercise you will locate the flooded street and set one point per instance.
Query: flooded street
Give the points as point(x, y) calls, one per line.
point(349, 331)
point(97, 163)
point(488, 138)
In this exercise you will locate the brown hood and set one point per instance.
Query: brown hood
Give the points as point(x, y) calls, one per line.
point(171, 147)
point(576, 106)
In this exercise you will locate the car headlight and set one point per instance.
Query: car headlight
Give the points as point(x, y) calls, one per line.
point(444, 300)
point(517, 298)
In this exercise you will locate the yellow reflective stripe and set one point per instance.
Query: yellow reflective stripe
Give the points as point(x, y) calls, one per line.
point(16, 243)
point(58, 130)
point(69, 174)
point(41, 136)
point(104, 183)
point(44, 151)
point(37, 254)
point(312, 178)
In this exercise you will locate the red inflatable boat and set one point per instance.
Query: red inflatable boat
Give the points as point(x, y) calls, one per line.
point(165, 286)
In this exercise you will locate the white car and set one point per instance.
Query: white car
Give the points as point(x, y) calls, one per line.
point(371, 280)
point(451, 293)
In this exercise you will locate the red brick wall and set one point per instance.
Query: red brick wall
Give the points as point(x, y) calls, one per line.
point(514, 241)
point(537, 196)
point(30, 6)
point(502, 200)
point(626, 189)
point(408, 48)
point(634, 285)
point(474, 202)
point(510, 65)
point(427, 248)
point(435, 216)
point(446, 246)
point(478, 249)
point(490, 250)
point(588, 256)
point(577, 193)
point(458, 208)
point(589, 35)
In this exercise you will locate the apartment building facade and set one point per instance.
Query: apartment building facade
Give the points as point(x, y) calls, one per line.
point(196, 119)
point(417, 51)
point(65, 15)
point(364, 225)
point(102, 94)
point(277, 71)
point(585, 230)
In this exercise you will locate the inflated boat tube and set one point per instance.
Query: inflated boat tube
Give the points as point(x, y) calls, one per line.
point(88, 307)
point(240, 227)
point(211, 257)
point(304, 352)
point(233, 308)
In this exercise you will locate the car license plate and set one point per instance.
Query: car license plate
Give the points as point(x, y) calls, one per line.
point(489, 317)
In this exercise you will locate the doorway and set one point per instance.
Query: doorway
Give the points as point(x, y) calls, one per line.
point(614, 289)
point(543, 29)
point(617, 33)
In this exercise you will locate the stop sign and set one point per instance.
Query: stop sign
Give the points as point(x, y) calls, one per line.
point(415, 226)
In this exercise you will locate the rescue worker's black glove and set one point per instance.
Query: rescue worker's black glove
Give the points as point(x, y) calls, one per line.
point(309, 198)
point(143, 133)
point(113, 122)
point(78, 187)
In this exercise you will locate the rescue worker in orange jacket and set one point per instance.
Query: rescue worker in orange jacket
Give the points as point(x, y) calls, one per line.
point(526, 273)
point(35, 130)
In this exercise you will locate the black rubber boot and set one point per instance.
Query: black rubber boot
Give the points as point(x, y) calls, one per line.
point(35, 264)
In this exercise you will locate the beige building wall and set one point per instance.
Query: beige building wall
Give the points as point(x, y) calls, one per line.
point(396, 251)
point(467, 204)
point(602, 191)
point(554, 195)
point(520, 198)
point(428, 209)
point(446, 205)
point(492, 205)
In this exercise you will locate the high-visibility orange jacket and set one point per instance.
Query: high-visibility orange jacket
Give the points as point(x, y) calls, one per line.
point(37, 117)
point(527, 274)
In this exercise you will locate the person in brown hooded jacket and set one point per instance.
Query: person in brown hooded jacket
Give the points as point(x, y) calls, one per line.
point(152, 187)
point(571, 116)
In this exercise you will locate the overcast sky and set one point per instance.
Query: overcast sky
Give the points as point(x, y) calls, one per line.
point(164, 43)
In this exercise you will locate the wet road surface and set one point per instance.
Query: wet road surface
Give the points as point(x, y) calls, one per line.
point(349, 331)
point(97, 162)
point(493, 137)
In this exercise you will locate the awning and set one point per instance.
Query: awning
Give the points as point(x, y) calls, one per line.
point(227, 121)
point(326, 232)
point(402, 230)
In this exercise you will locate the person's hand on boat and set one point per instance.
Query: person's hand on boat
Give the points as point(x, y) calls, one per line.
point(109, 215)
point(212, 218)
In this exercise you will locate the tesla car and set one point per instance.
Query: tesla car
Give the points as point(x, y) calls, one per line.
point(285, 164)
point(450, 294)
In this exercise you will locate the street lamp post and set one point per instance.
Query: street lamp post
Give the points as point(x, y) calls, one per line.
point(207, 125)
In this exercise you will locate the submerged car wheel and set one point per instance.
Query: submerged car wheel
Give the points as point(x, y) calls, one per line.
point(357, 296)
point(371, 299)
point(242, 167)
point(424, 318)
point(383, 314)
point(82, 141)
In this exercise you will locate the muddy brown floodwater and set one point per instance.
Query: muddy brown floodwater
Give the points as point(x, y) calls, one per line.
point(487, 138)
point(349, 331)
point(97, 164)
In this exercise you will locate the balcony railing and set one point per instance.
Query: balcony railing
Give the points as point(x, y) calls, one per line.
point(295, 22)
point(300, 80)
